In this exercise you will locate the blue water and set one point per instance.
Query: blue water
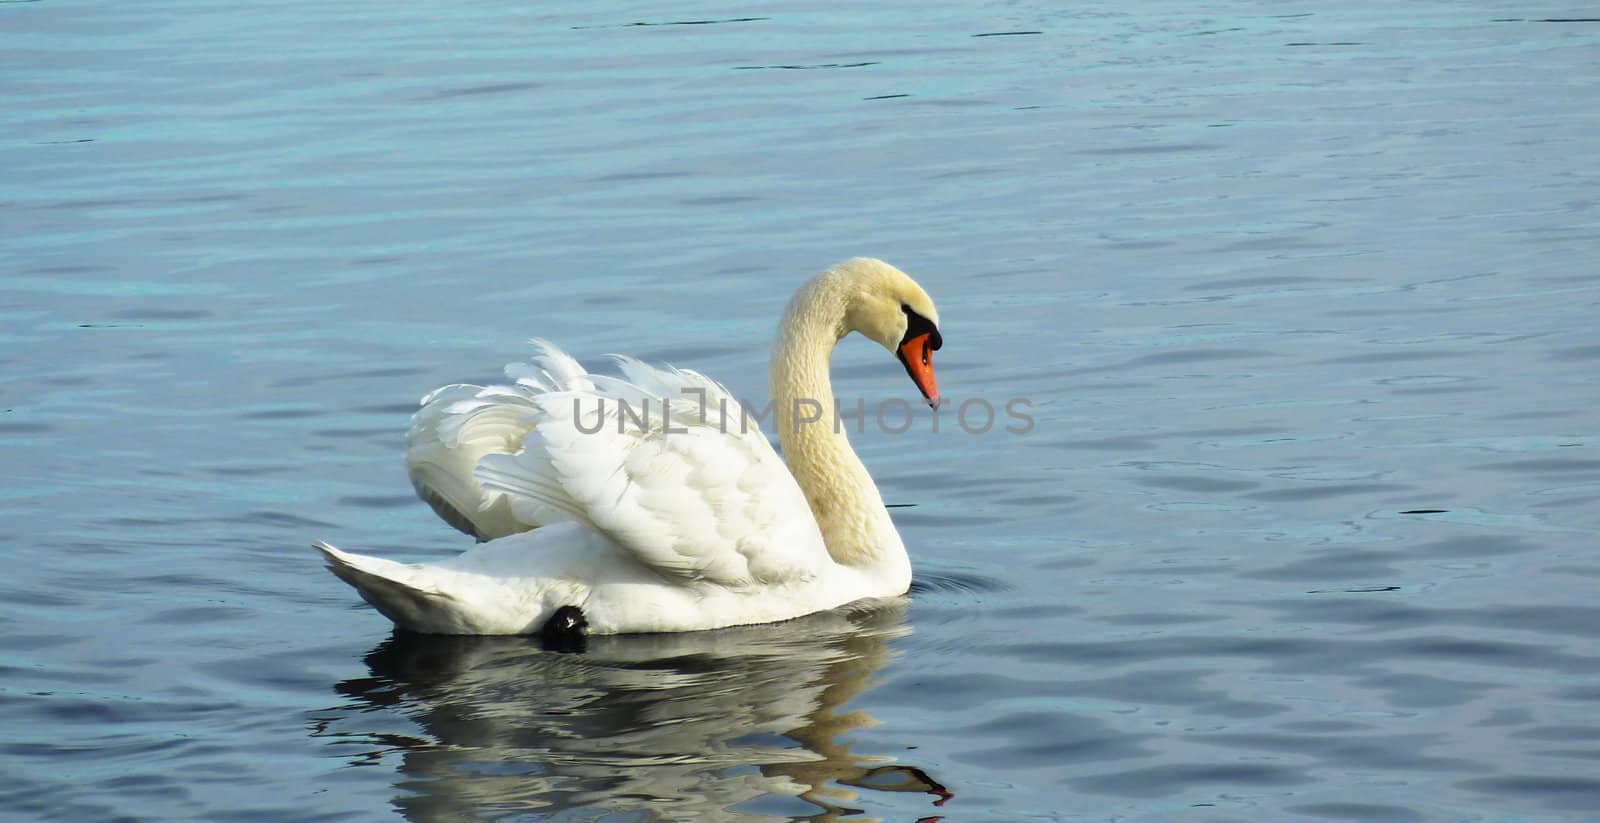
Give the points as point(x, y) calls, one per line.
point(1302, 304)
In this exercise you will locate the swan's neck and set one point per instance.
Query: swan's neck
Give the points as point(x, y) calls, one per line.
point(841, 493)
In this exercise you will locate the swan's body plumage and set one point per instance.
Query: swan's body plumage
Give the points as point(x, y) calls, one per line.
point(650, 500)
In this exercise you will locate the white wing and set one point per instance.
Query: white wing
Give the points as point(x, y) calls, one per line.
point(697, 494)
point(458, 425)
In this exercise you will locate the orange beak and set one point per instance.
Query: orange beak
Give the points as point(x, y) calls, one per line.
point(917, 355)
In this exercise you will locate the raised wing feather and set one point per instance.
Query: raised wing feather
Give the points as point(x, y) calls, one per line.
point(689, 489)
point(458, 425)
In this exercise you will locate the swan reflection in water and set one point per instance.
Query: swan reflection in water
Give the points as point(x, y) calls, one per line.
point(719, 725)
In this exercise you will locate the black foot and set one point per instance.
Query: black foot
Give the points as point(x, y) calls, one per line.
point(566, 631)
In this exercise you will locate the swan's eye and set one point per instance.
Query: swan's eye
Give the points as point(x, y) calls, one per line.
point(917, 325)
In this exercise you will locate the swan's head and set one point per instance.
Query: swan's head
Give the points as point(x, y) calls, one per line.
point(886, 305)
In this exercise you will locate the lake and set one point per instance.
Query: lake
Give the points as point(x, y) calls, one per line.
point(1301, 305)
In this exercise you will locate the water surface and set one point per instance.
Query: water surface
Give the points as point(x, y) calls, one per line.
point(1301, 303)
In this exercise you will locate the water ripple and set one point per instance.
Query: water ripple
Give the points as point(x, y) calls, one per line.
point(1302, 525)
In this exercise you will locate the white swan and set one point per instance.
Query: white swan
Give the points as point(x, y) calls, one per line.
point(600, 518)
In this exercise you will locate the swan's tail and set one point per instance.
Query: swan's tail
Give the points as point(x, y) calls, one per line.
point(401, 592)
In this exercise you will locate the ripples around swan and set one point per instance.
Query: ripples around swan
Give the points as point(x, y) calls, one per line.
point(729, 725)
